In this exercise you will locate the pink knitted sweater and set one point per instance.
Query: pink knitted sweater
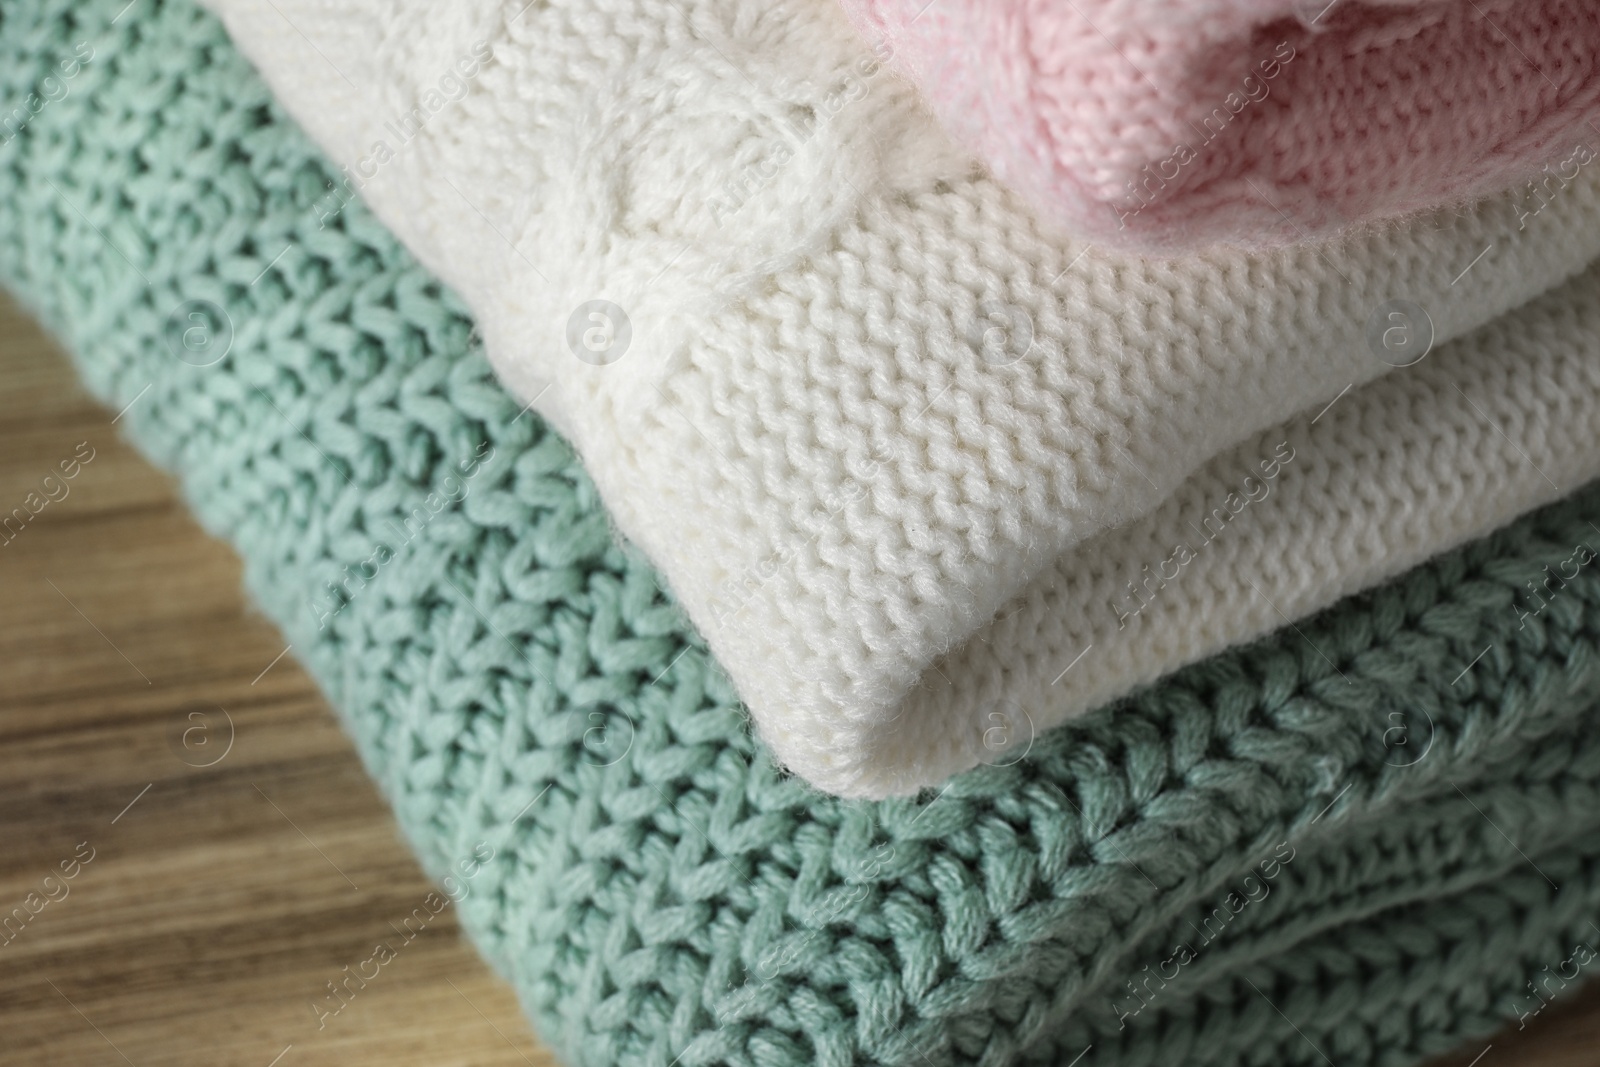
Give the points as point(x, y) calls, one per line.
point(1164, 125)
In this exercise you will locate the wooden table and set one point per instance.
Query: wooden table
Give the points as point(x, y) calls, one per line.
point(228, 884)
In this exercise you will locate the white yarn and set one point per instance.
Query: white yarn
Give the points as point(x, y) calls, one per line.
point(844, 483)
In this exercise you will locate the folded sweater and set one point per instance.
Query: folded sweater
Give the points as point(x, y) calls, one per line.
point(660, 893)
point(834, 383)
point(1167, 125)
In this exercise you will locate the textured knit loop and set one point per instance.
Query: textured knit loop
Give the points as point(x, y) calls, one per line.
point(688, 902)
point(869, 408)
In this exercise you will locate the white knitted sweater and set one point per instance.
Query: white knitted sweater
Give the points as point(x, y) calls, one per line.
point(898, 453)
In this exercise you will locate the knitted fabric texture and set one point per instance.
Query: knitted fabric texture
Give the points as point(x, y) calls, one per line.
point(1167, 125)
point(856, 410)
point(659, 893)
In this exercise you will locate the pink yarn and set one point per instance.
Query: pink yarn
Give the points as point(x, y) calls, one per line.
point(1163, 125)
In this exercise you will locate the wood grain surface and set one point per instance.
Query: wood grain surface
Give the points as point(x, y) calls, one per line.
point(226, 885)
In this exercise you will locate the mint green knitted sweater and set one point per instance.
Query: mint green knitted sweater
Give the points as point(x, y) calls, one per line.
point(1358, 841)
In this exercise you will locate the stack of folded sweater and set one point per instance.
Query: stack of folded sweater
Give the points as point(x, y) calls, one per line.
point(935, 482)
point(913, 462)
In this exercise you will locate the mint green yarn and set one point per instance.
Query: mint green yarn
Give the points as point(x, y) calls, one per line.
point(660, 893)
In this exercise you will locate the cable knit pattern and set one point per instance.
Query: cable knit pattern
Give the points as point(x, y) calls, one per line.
point(843, 464)
point(660, 893)
point(1169, 124)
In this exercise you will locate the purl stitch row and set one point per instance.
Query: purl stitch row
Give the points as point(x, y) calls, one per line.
point(680, 900)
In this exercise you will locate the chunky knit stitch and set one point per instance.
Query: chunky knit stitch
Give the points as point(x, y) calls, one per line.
point(660, 893)
point(1166, 125)
point(803, 423)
